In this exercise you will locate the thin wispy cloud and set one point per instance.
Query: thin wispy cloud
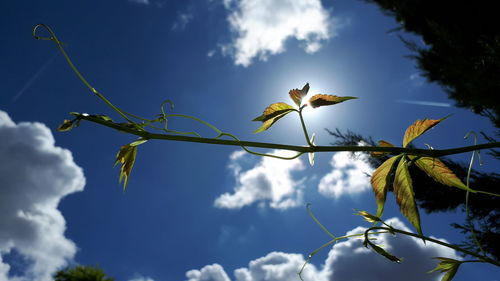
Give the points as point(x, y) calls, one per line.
point(417, 80)
point(269, 183)
point(34, 176)
point(139, 277)
point(182, 21)
point(261, 27)
point(426, 103)
point(343, 262)
point(33, 78)
point(143, 2)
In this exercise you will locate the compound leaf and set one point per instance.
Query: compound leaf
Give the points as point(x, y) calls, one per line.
point(450, 266)
point(322, 100)
point(403, 190)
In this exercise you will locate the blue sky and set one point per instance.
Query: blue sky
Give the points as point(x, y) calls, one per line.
point(205, 212)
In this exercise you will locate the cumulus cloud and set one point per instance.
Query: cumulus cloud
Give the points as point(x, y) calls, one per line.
point(349, 175)
point(269, 180)
point(347, 260)
point(261, 27)
point(277, 266)
point(34, 176)
point(212, 272)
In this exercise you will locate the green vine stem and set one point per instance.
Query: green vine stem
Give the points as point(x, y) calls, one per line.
point(482, 258)
point(302, 149)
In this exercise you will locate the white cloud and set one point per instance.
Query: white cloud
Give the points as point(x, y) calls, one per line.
point(139, 277)
point(269, 180)
point(210, 53)
point(34, 176)
point(182, 20)
point(347, 260)
point(262, 27)
point(278, 266)
point(144, 2)
point(212, 272)
point(350, 175)
point(417, 80)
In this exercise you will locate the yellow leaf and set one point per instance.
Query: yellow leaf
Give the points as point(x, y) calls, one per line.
point(418, 128)
point(403, 189)
point(321, 100)
point(296, 95)
point(126, 156)
point(272, 114)
point(380, 182)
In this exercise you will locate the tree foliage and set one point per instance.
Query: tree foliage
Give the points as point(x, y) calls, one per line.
point(82, 273)
point(461, 49)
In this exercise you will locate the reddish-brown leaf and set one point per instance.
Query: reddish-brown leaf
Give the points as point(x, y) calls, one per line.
point(297, 95)
point(418, 128)
point(382, 143)
point(322, 100)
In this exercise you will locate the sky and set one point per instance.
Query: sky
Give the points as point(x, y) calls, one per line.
point(206, 212)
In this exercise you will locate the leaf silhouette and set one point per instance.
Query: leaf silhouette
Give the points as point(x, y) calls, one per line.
point(437, 170)
point(322, 100)
point(65, 126)
point(272, 114)
point(297, 95)
point(418, 128)
point(380, 182)
point(403, 189)
point(384, 253)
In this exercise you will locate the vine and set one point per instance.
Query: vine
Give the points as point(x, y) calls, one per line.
point(393, 172)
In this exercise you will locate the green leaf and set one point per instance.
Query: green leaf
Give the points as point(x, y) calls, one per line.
point(418, 128)
point(103, 117)
point(322, 100)
point(382, 143)
point(380, 182)
point(438, 171)
point(138, 142)
point(384, 253)
point(403, 189)
point(450, 266)
point(368, 217)
point(272, 114)
point(126, 156)
point(297, 95)
point(65, 126)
